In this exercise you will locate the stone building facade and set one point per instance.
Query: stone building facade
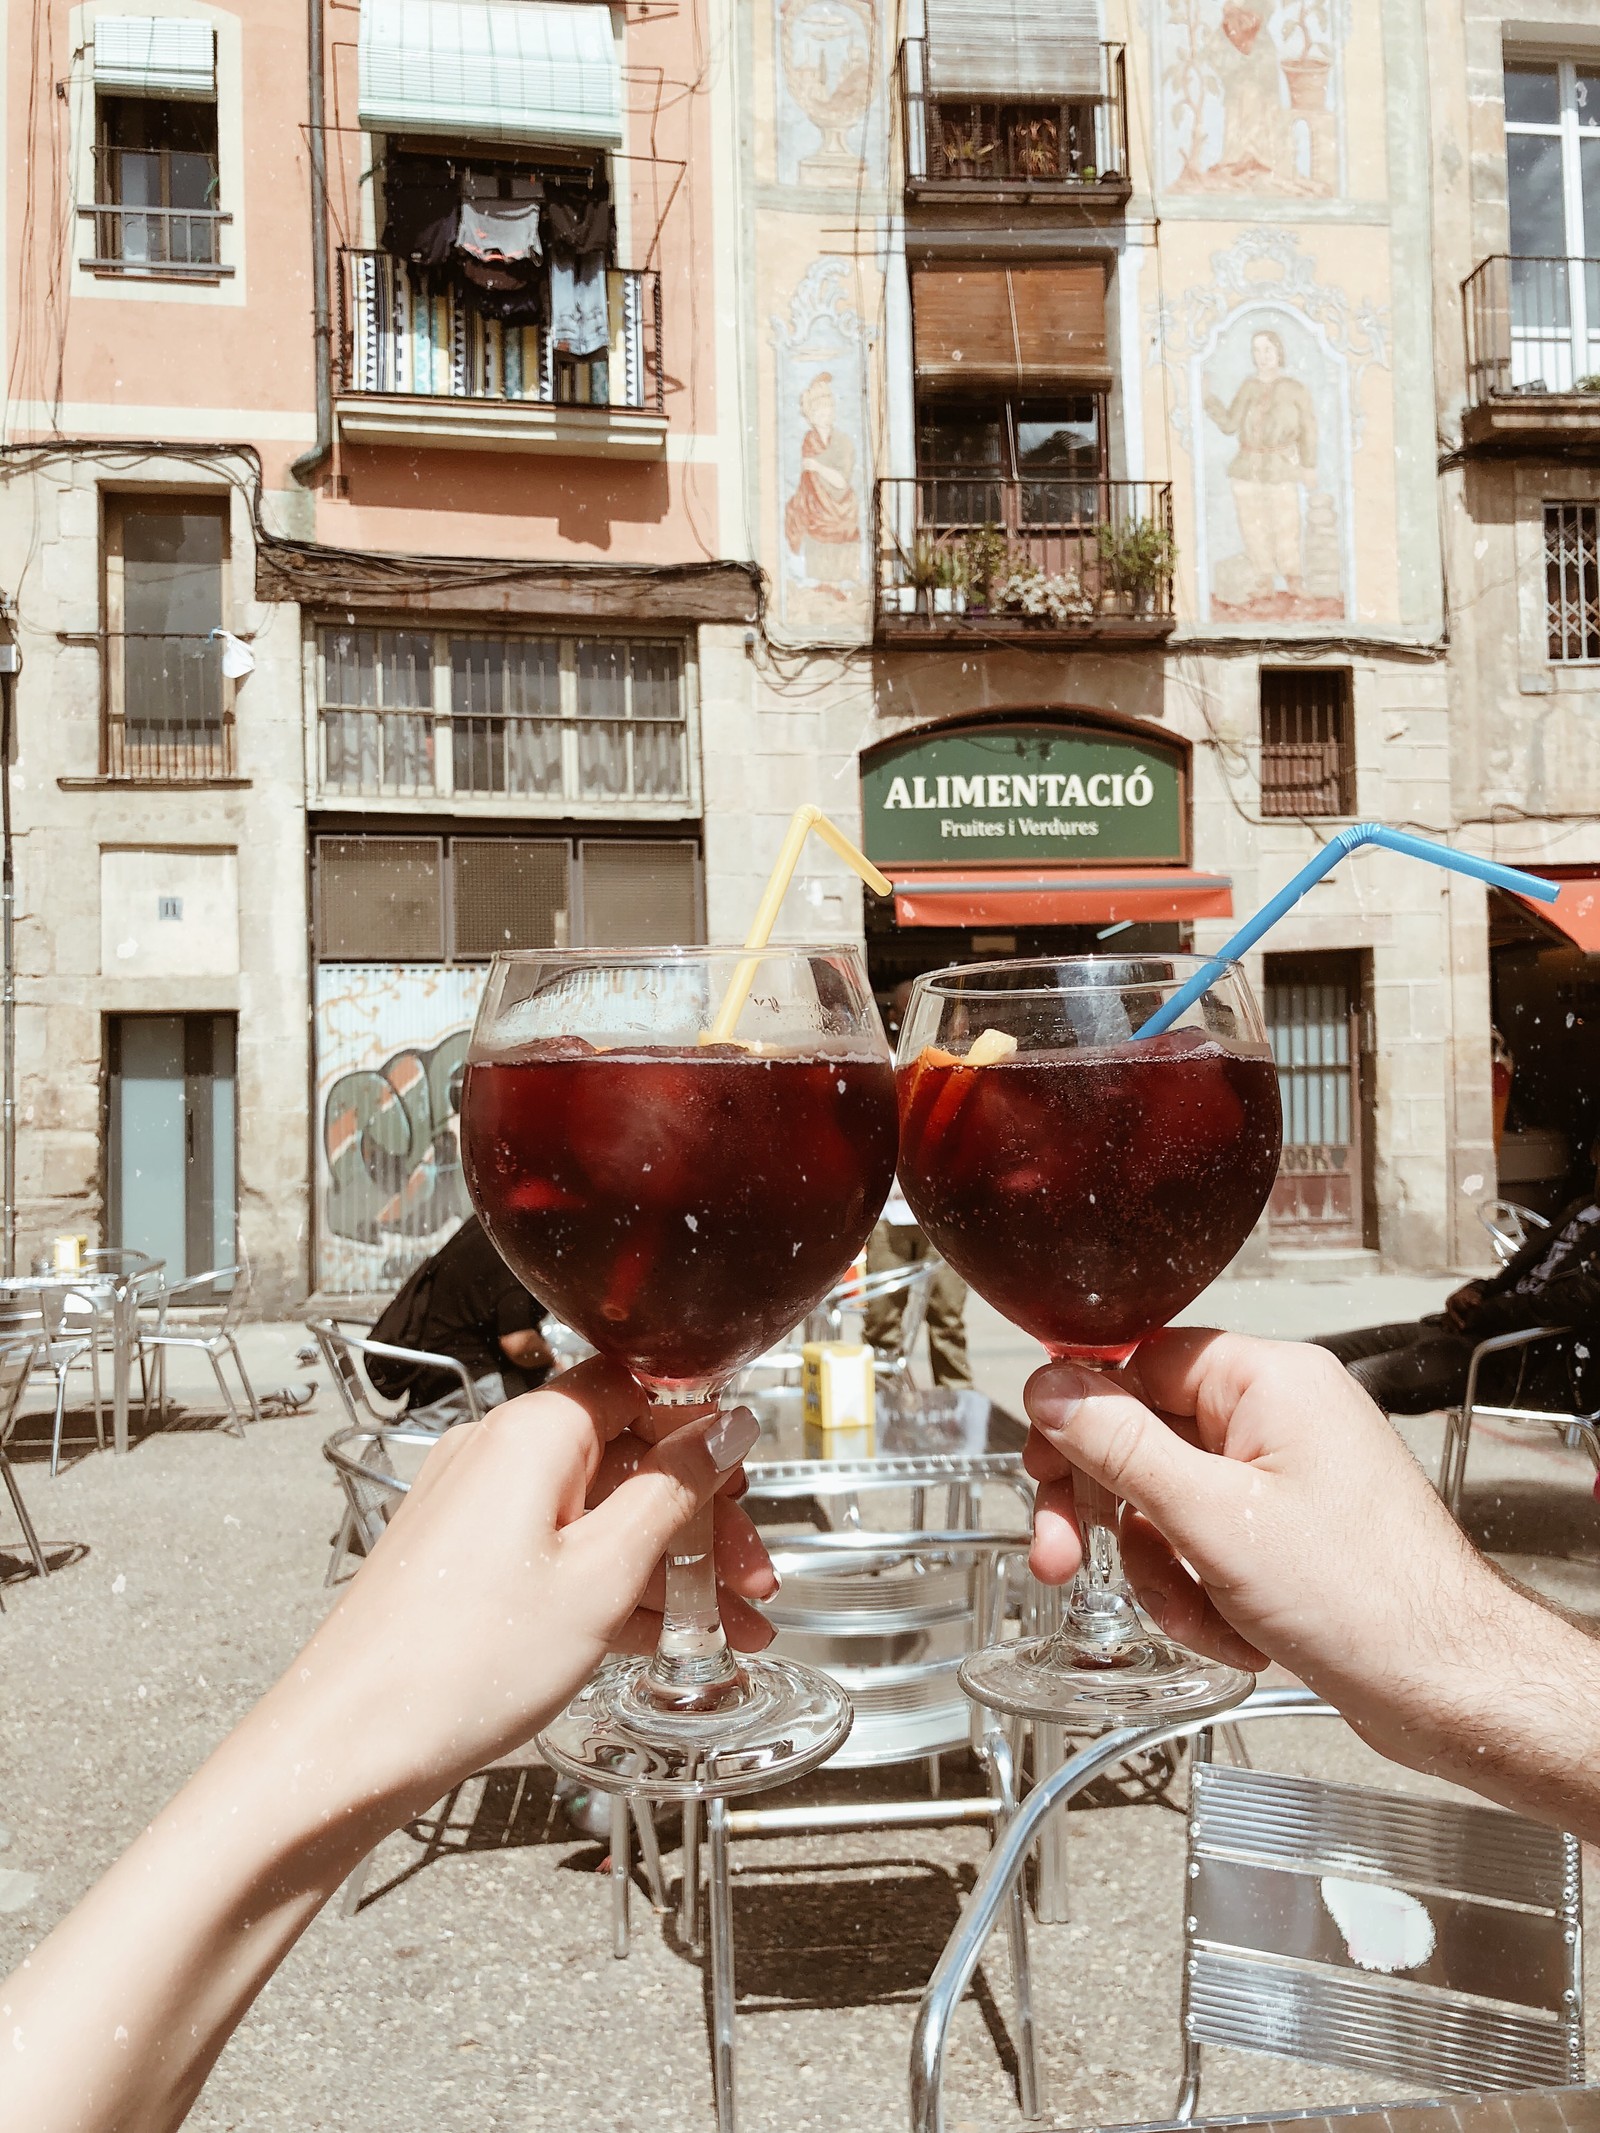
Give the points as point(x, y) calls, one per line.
point(586, 479)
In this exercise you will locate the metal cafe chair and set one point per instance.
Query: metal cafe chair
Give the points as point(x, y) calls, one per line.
point(1578, 1430)
point(201, 1313)
point(62, 1322)
point(1428, 1942)
point(1509, 1226)
point(347, 1342)
point(16, 1364)
point(361, 1455)
point(889, 1615)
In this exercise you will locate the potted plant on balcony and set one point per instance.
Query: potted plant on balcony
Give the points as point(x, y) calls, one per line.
point(966, 151)
point(1051, 599)
point(950, 583)
point(1136, 561)
point(986, 556)
point(1035, 146)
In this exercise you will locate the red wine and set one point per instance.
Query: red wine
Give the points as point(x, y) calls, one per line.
point(681, 1208)
point(1089, 1195)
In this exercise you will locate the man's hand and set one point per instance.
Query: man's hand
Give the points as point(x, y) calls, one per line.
point(1461, 1303)
point(527, 1349)
point(1274, 1513)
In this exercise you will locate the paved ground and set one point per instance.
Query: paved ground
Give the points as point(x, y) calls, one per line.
point(478, 1991)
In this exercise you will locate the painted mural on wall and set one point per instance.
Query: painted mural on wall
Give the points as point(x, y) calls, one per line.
point(829, 102)
point(1251, 96)
point(1269, 363)
point(391, 1045)
point(824, 464)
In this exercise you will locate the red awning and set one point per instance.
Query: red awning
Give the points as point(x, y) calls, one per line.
point(1576, 911)
point(933, 897)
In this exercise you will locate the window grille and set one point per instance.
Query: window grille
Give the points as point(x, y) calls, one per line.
point(380, 900)
point(557, 719)
point(1572, 581)
point(1307, 744)
point(639, 894)
point(510, 892)
point(169, 706)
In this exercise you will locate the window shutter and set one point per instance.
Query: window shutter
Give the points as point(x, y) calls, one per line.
point(154, 55)
point(1014, 48)
point(1010, 327)
point(538, 70)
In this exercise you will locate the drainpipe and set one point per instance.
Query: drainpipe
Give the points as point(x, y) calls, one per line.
point(308, 464)
point(10, 665)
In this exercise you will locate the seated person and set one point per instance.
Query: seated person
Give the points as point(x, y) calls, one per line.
point(1554, 1280)
point(466, 1302)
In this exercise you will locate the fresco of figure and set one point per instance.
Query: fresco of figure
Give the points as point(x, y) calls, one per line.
point(822, 520)
point(1245, 60)
point(1273, 417)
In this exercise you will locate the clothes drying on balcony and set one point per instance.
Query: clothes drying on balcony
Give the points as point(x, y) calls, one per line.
point(500, 232)
point(579, 320)
point(422, 209)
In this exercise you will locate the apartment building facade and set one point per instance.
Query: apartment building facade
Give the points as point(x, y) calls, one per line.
point(466, 492)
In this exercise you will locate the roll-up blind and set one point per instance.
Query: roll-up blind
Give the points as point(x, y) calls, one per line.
point(1022, 48)
point(535, 70)
point(154, 55)
point(1010, 326)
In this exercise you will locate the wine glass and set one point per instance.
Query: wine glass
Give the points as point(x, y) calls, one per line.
point(682, 1203)
point(1088, 1183)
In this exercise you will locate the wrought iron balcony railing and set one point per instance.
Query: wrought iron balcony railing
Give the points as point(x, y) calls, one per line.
point(1063, 554)
point(1533, 326)
point(155, 212)
point(417, 331)
point(1048, 143)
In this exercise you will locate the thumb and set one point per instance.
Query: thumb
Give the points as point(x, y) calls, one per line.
point(631, 1529)
point(1116, 1440)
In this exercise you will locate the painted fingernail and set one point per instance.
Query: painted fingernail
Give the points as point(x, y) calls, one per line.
point(730, 1436)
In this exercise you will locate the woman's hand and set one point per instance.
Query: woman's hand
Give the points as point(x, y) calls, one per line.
point(529, 1545)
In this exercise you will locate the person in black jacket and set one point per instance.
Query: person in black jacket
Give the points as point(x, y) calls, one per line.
point(466, 1302)
point(1554, 1280)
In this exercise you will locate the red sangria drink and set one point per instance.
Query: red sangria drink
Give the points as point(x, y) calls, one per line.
point(1089, 1182)
point(681, 1207)
point(1090, 1194)
point(683, 1203)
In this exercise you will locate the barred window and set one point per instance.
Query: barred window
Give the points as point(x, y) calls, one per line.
point(1307, 742)
point(560, 719)
point(1572, 581)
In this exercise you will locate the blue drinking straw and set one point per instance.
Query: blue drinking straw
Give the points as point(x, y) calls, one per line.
point(1345, 840)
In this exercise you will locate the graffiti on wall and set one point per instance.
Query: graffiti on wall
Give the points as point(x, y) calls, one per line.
point(829, 109)
point(391, 1049)
point(1270, 413)
point(824, 466)
point(1251, 96)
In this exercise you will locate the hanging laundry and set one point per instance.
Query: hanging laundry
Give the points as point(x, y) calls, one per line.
point(580, 323)
point(422, 208)
point(500, 230)
point(578, 219)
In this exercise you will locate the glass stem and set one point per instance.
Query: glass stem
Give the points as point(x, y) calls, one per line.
point(693, 1669)
point(1100, 1626)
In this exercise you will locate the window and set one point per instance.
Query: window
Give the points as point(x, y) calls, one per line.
point(1553, 185)
point(460, 899)
point(169, 710)
point(1572, 582)
point(1010, 461)
point(156, 185)
point(1307, 746)
point(569, 720)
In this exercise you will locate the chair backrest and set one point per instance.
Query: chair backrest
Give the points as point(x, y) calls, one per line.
point(335, 1337)
point(17, 1351)
point(1509, 1226)
point(219, 1296)
point(372, 1488)
point(861, 1292)
point(1427, 1941)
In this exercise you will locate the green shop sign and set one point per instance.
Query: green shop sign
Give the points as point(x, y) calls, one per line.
point(1070, 794)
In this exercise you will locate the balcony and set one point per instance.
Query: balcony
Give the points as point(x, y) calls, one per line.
point(420, 364)
point(1039, 149)
point(1051, 559)
point(1533, 356)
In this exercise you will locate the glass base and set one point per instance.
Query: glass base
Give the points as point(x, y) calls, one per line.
point(1163, 1684)
point(615, 1735)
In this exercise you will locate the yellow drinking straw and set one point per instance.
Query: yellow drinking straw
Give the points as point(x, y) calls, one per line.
point(805, 820)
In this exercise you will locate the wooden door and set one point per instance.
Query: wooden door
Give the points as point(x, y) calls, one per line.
point(1314, 1022)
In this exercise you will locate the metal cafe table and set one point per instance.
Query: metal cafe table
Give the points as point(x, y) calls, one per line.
point(112, 1288)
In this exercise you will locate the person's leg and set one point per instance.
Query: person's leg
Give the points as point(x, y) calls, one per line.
point(947, 1328)
point(1427, 1373)
point(887, 1247)
point(1363, 1341)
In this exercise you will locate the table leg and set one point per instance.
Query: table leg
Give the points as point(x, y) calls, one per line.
point(124, 1318)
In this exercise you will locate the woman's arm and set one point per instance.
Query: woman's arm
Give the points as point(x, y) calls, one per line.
point(529, 1545)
